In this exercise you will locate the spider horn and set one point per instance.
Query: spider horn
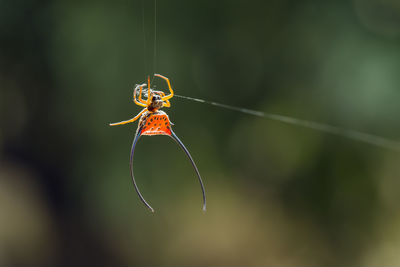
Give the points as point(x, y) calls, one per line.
point(137, 136)
point(173, 136)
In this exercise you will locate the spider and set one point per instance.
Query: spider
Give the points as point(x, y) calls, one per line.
point(153, 121)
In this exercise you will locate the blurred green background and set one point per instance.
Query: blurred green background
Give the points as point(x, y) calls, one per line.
point(278, 195)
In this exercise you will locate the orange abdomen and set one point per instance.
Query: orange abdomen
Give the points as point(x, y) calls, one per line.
point(157, 124)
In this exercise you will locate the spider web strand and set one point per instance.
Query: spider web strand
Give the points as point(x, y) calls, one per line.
point(338, 131)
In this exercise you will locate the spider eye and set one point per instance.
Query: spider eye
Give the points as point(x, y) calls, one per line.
point(156, 97)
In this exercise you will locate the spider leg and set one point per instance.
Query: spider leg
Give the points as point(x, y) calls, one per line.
point(167, 104)
point(137, 136)
point(129, 121)
point(169, 87)
point(138, 101)
point(149, 93)
point(161, 93)
point(140, 96)
point(173, 136)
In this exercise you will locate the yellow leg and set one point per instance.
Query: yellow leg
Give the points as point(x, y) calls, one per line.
point(140, 95)
point(140, 102)
point(169, 87)
point(167, 104)
point(131, 120)
point(149, 94)
point(161, 93)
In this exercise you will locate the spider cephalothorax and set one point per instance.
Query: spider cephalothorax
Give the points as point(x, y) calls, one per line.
point(156, 102)
point(155, 122)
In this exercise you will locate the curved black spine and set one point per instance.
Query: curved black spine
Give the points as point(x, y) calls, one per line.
point(173, 136)
point(137, 136)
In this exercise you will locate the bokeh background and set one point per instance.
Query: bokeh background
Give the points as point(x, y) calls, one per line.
point(278, 195)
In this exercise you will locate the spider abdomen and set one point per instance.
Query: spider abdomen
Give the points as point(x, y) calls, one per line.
point(156, 123)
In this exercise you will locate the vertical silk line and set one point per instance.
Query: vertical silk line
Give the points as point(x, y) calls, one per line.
point(144, 41)
point(347, 133)
point(155, 37)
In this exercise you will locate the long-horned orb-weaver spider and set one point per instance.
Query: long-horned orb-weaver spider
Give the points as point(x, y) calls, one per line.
point(153, 121)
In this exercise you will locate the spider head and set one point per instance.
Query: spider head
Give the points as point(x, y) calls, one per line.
point(156, 102)
point(156, 98)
